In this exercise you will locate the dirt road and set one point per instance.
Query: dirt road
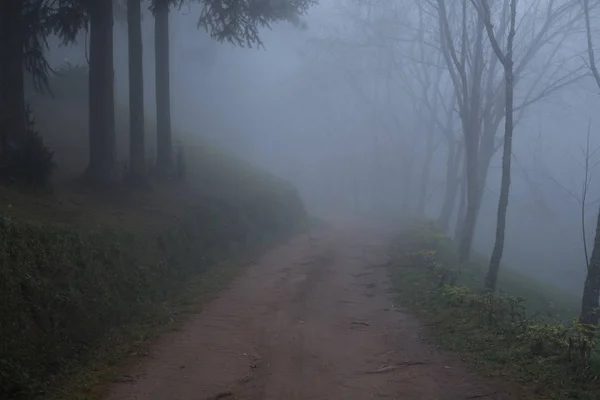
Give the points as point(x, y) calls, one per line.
point(310, 320)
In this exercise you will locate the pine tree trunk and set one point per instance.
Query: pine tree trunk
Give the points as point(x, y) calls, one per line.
point(137, 164)
point(590, 302)
point(164, 157)
point(102, 167)
point(13, 120)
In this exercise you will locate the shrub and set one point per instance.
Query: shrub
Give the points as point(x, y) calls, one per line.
point(27, 160)
point(494, 331)
point(64, 293)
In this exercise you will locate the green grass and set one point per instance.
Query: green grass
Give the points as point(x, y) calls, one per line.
point(88, 278)
point(131, 341)
point(68, 290)
point(498, 338)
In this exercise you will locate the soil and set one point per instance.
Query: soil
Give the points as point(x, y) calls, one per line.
point(312, 319)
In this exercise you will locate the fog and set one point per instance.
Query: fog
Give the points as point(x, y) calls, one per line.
point(337, 109)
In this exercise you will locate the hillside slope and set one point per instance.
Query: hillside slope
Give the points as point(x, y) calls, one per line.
point(86, 276)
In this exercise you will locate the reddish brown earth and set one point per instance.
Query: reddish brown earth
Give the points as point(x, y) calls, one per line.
point(310, 320)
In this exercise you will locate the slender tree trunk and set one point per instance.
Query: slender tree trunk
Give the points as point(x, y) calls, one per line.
point(102, 167)
point(13, 119)
point(429, 149)
point(460, 217)
point(164, 156)
point(492, 275)
point(137, 164)
point(406, 184)
point(590, 302)
point(453, 183)
point(506, 59)
point(472, 208)
point(483, 157)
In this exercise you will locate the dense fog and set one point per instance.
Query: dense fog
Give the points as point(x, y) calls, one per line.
point(338, 107)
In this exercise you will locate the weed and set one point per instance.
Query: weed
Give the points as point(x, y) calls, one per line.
point(496, 333)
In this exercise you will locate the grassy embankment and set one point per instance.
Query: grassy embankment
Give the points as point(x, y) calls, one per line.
point(88, 277)
point(526, 334)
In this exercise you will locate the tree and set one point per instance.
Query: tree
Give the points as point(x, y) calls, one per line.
point(590, 302)
point(455, 150)
point(137, 164)
point(479, 99)
point(235, 21)
point(506, 59)
point(23, 29)
point(164, 142)
point(102, 164)
point(12, 95)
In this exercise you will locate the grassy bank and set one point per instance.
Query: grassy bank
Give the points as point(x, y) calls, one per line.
point(526, 334)
point(87, 277)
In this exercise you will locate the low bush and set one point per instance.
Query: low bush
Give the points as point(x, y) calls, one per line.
point(498, 333)
point(26, 160)
point(66, 291)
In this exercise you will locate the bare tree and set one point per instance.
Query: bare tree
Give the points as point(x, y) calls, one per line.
point(480, 99)
point(590, 302)
point(506, 59)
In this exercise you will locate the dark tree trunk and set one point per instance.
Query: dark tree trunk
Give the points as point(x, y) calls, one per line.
point(471, 121)
point(483, 159)
point(453, 183)
point(491, 279)
point(13, 120)
point(429, 150)
point(460, 216)
point(137, 164)
point(590, 302)
point(102, 167)
point(164, 157)
point(406, 184)
point(473, 199)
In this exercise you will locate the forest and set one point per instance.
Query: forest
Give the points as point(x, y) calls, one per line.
point(469, 124)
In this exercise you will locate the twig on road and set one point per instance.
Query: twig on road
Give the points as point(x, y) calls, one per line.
point(390, 368)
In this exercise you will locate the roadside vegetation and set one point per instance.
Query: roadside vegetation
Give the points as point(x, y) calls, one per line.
point(107, 237)
point(85, 277)
point(89, 274)
point(529, 332)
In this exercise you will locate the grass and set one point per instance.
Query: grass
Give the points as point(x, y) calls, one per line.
point(131, 341)
point(522, 335)
point(69, 292)
point(88, 278)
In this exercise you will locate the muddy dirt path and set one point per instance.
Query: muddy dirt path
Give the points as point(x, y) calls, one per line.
point(310, 320)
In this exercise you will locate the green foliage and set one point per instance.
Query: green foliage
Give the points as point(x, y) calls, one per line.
point(239, 22)
point(67, 291)
point(27, 160)
point(494, 332)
